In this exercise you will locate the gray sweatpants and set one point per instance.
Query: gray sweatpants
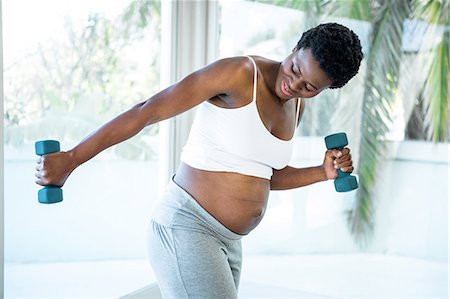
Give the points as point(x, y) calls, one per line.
point(192, 254)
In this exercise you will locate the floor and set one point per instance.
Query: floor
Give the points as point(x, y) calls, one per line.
point(336, 276)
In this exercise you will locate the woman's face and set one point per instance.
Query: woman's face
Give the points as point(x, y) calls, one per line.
point(300, 76)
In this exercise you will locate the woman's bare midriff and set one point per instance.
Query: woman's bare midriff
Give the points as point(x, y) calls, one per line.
point(235, 200)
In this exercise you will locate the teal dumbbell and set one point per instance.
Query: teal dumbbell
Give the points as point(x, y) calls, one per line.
point(344, 182)
point(49, 194)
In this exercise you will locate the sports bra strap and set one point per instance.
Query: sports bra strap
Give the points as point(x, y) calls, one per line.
point(299, 102)
point(255, 78)
point(255, 82)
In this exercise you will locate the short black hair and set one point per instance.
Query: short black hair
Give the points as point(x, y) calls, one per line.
point(336, 48)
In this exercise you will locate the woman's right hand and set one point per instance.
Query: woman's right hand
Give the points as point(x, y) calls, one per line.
point(54, 169)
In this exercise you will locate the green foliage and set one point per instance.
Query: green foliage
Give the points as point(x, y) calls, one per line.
point(139, 15)
point(354, 9)
point(75, 82)
point(436, 86)
point(315, 6)
point(432, 11)
point(380, 88)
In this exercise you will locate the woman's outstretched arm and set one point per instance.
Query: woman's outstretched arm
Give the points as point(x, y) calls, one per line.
point(220, 77)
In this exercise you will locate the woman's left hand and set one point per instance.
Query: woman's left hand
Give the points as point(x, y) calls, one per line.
point(335, 159)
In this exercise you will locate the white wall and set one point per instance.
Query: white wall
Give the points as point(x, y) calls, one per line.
point(104, 214)
point(412, 213)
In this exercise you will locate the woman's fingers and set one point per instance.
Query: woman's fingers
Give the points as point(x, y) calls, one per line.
point(344, 162)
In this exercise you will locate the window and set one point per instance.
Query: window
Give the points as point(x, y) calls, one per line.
point(69, 67)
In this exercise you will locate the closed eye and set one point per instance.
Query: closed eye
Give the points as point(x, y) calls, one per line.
point(296, 72)
point(312, 87)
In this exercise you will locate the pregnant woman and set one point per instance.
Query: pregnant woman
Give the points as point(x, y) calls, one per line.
point(238, 150)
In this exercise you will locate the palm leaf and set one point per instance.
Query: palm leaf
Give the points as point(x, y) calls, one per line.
point(435, 88)
point(383, 65)
point(353, 9)
point(315, 9)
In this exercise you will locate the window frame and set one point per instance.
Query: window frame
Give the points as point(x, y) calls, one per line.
point(190, 39)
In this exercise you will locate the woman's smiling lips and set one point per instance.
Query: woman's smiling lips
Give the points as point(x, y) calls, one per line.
point(285, 89)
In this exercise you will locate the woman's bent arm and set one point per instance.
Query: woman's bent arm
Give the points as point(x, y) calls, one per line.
point(290, 177)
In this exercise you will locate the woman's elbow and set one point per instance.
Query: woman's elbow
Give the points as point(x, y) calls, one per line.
point(147, 113)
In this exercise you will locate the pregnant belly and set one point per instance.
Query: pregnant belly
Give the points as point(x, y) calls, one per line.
point(235, 200)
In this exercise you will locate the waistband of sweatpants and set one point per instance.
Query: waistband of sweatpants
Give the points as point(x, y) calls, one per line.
point(185, 201)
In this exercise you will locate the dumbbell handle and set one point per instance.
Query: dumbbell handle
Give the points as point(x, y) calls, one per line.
point(49, 194)
point(342, 174)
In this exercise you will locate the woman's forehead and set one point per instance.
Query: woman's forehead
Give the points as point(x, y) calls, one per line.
point(310, 68)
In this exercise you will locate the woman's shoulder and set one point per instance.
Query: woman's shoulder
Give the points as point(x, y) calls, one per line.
point(232, 69)
point(264, 63)
point(243, 65)
point(235, 63)
point(246, 60)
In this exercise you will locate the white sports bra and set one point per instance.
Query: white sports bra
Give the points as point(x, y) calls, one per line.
point(235, 140)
